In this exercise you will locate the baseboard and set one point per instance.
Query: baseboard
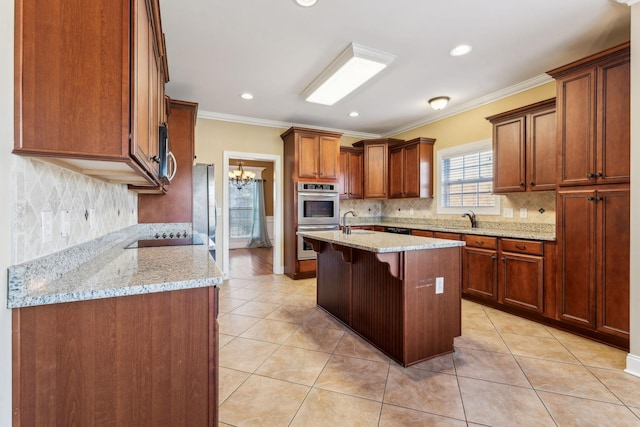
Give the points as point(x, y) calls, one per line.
point(633, 365)
point(279, 270)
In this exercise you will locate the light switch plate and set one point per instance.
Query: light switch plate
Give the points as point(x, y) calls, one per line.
point(65, 223)
point(507, 212)
point(439, 285)
point(523, 212)
point(47, 226)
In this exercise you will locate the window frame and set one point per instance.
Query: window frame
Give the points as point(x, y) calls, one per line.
point(459, 150)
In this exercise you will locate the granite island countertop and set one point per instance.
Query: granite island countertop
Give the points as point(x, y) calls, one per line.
point(380, 242)
point(111, 271)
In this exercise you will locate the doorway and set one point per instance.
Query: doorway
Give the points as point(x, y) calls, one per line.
point(274, 191)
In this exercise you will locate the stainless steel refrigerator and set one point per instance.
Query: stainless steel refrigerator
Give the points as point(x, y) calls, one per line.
point(204, 202)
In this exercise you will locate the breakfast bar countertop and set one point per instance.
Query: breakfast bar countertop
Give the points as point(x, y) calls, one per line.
point(89, 272)
point(380, 242)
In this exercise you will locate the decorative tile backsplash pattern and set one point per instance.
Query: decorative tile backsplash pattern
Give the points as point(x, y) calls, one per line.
point(96, 207)
point(425, 209)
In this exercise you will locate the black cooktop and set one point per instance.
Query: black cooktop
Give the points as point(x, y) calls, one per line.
point(154, 243)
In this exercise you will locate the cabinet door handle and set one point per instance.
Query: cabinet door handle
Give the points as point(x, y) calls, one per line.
point(591, 198)
point(494, 256)
point(590, 175)
point(599, 175)
point(533, 184)
point(521, 247)
point(504, 259)
point(599, 198)
point(522, 184)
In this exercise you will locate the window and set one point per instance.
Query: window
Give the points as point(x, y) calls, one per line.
point(466, 179)
point(240, 210)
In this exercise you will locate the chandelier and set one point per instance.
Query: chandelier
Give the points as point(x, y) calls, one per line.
point(240, 177)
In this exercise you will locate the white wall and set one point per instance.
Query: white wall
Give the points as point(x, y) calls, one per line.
point(633, 360)
point(6, 145)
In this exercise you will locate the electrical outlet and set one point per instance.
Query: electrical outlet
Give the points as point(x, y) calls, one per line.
point(65, 223)
point(92, 219)
point(507, 212)
point(47, 226)
point(439, 285)
point(411, 211)
point(523, 212)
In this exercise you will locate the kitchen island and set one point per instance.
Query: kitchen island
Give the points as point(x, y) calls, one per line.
point(104, 335)
point(401, 293)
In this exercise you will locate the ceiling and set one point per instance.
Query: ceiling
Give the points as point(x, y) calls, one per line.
point(218, 49)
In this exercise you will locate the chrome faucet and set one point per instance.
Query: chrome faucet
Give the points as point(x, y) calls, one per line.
point(472, 218)
point(346, 229)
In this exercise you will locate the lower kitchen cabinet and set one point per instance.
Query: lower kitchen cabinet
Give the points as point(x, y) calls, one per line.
point(141, 360)
point(480, 267)
point(522, 274)
point(593, 274)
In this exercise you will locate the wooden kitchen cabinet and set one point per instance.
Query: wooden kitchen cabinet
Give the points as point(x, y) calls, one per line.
point(141, 360)
point(524, 148)
point(350, 181)
point(411, 169)
point(593, 118)
point(521, 275)
point(480, 267)
point(593, 243)
point(423, 233)
point(89, 90)
point(177, 204)
point(376, 164)
point(315, 152)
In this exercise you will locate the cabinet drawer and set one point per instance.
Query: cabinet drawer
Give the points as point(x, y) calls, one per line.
point(423, 233)
point(481, 242)
point(522, 246)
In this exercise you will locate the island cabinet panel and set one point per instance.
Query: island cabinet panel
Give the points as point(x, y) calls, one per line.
point(378, 312)
point(143, 360)
point(335, 297)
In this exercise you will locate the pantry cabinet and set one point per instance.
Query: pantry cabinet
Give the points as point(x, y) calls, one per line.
point(593, 239)
point(89, 90)
point(376, 166)
point(351, 164)
point(524, 148)
point(411, 169)
point(593, 118)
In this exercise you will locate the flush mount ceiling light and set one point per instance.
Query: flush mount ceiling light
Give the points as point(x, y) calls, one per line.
point(305, 3)
point(460, 50)
point(246, 95)
point(354, 66)
point(439, 102)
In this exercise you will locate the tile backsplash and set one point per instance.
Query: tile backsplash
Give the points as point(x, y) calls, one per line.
point(95, 207)
point(425, 209)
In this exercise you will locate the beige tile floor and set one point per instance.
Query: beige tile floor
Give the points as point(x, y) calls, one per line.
point(285, 362)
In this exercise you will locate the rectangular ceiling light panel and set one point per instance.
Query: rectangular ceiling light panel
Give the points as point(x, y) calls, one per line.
point(354, 66)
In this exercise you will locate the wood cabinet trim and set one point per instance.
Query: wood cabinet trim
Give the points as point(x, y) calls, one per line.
point(621, 50)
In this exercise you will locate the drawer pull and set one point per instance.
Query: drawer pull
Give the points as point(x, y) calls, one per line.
point(479, 242)
point(521, 247)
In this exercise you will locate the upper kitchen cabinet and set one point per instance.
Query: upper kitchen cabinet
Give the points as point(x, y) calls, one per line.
point(594, 118)
point(350, 182)
point(89, 86)
point(524, 148)
point(315, 153)
point(411, 169)
point(376, 164)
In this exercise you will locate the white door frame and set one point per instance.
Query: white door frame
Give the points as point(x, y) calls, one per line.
point(278, 266)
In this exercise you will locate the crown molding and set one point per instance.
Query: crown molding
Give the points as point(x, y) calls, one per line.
point(628, 2)
point(487, 99)
point(278, 124)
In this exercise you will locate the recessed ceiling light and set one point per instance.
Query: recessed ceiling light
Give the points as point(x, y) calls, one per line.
point(460, 50)
point(246, 95)
point(305, 3)
point(354, 114)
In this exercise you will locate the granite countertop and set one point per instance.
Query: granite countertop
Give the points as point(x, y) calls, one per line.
point(111, 271)
point(530, 234)
point(381, 242)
